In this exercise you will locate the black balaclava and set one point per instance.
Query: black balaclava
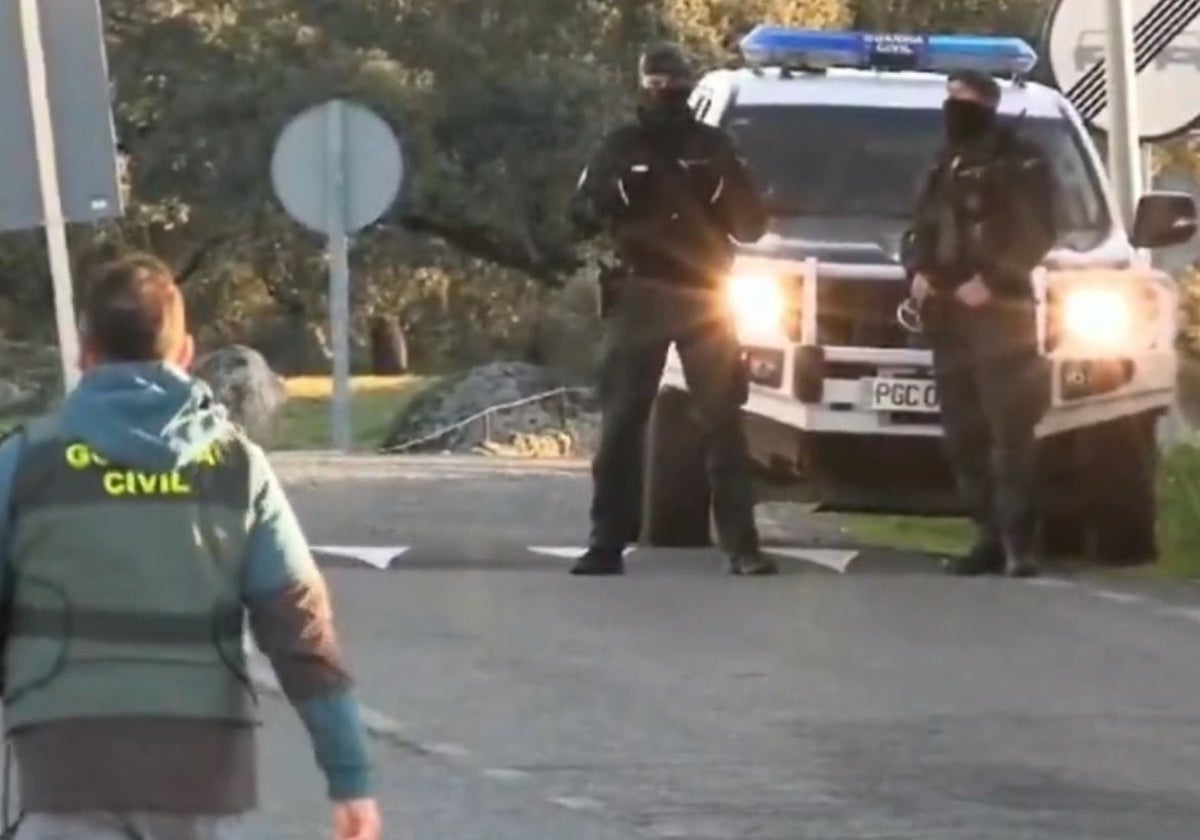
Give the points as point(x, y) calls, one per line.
point(663, 98)
point(967, 120)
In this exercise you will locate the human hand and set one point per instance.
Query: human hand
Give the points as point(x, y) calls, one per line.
point(974, 293)
point(356, 819)
point(921, 288)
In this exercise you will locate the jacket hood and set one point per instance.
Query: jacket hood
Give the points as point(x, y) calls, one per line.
point(150, 416)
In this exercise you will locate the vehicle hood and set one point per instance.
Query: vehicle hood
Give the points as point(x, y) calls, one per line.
point(847, 240)
point(875, 241)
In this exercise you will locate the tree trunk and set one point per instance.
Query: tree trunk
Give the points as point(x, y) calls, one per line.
point(389, 350)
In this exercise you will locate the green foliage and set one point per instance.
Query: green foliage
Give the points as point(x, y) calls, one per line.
point(713, 27)
point(1021, 17)
point(497, 104)
point(1189, 317)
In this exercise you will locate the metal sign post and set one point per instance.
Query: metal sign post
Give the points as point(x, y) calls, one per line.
point(46, 159)
point(58, 149)
point(361, 169)
point(1129, 67)
point(1124, 149)
point(338, 252)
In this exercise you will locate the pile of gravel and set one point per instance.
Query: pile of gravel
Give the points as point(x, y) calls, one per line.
point(565, 424)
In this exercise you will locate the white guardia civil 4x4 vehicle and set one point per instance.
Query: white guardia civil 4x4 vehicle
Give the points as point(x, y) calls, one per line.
point(838, 129)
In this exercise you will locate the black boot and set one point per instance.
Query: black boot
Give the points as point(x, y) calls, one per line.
point(986, 558)
point(751, 564)
point(1020, 552)
point(600, 562)
point(1021, 567)
point(1020, 559)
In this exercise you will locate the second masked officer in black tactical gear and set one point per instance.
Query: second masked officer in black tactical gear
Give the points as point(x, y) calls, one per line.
point(671, 192)
point(984, 221)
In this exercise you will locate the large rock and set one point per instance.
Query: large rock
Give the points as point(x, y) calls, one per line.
point(456, 418)
point(241, 379)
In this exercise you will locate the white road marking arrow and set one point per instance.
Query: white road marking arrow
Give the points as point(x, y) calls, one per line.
point(381, 557)
point(838, 560)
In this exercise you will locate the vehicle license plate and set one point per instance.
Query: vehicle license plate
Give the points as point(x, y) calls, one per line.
point(887, 394)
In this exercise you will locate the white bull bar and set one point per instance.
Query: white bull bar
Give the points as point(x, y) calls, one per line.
point(844, 406)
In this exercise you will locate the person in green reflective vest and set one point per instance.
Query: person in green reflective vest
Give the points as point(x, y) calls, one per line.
point(139, 530)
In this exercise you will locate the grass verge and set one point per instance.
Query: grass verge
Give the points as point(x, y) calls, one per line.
point(305, 423)
point(943, 536)
point(1179, 513)
point(1178, 523)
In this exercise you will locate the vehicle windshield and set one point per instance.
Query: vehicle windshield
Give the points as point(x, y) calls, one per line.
point(828, 161)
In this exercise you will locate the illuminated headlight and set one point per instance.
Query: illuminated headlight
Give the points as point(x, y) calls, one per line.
point(758, 303)
point(1101, 318)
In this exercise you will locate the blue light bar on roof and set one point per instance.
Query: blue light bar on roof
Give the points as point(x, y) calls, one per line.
point(819, 48)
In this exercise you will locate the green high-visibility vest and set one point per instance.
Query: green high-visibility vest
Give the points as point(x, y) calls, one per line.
point(127, 586)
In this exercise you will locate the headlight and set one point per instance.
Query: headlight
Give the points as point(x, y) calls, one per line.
point(758, 303)
point(1101, 318)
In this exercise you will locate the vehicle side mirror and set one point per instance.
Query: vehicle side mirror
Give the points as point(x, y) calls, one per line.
point(1164, 219)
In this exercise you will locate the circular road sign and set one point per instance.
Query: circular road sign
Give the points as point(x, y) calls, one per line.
point(337, 167)
point(1166, 38)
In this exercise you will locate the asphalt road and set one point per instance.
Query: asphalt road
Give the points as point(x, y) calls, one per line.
point(511, 700)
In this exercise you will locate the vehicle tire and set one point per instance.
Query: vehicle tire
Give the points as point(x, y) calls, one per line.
point(1061, 520)
point(677, 499)
point(1118, 472)
point(1100, 486)
point(1062, 535)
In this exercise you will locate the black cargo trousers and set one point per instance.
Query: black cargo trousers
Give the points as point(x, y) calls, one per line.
point(994, 388)
point(646, 318)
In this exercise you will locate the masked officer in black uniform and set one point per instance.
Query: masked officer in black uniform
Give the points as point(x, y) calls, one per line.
point(984, 220)
point(671, 192)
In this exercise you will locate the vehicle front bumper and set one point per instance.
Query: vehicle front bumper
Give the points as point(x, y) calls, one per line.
point(827, 390)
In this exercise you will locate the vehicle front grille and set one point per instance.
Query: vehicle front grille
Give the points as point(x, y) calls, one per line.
point(862, 313)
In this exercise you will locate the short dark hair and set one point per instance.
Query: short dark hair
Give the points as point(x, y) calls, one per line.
point(980, 83)
point(133, 311)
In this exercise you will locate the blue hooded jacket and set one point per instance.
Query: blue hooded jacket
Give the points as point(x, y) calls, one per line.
point(155, 417)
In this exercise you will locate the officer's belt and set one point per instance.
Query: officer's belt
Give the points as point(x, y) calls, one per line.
point(125, 626)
